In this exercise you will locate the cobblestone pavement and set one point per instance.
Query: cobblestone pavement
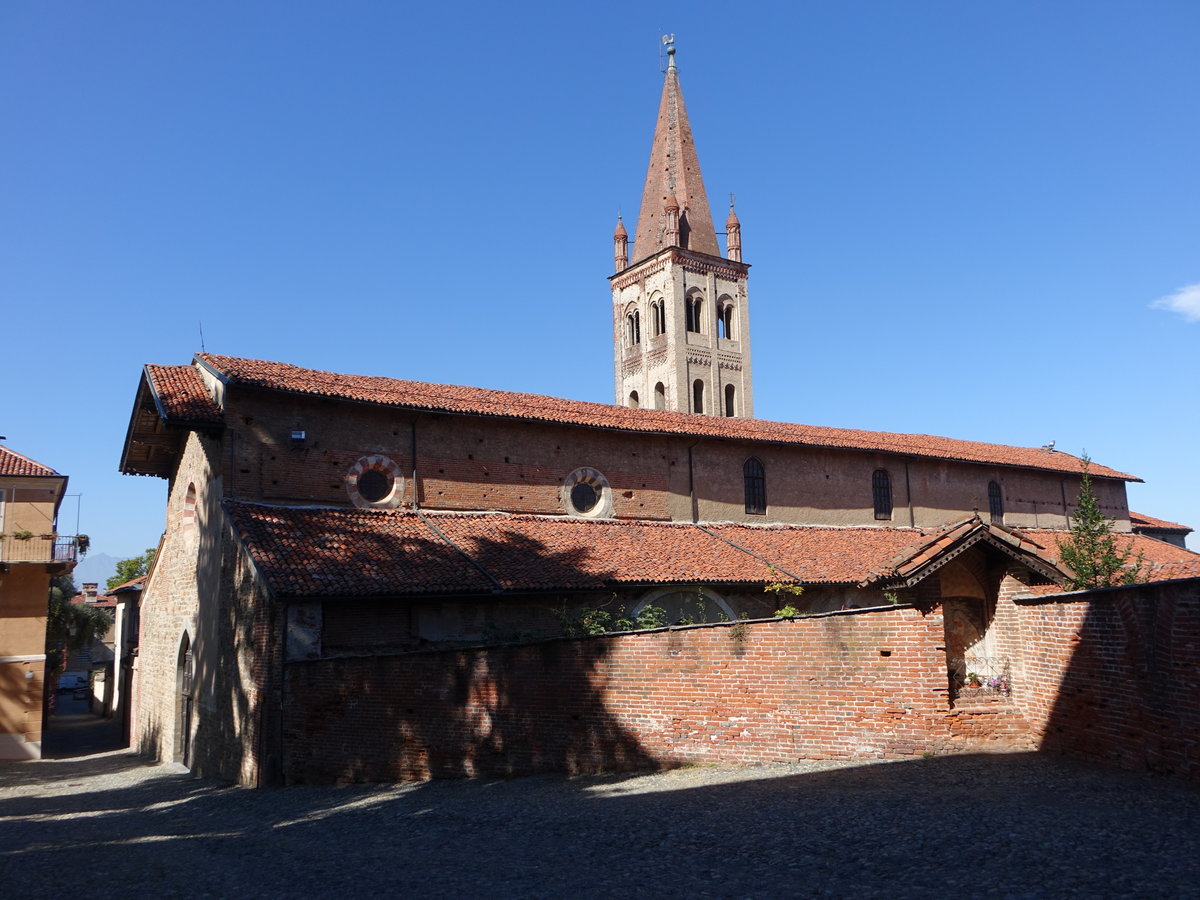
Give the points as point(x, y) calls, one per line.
point(110, 825)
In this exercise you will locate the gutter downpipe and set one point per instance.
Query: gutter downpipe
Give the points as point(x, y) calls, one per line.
point(413, 432)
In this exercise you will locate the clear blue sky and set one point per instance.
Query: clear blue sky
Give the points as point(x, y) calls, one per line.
point(959, 215)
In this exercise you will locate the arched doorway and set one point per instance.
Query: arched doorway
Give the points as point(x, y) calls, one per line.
point(183, 703)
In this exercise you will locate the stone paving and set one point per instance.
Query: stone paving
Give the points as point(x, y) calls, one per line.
point(110, 824)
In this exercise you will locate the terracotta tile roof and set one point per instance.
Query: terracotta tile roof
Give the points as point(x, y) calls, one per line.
point(131, 585)
point(182, 396)
point(311, 552)
point(1141, 520)
point(13, 463)
point(1164, 561)
point(484, 402)
point(322, 552)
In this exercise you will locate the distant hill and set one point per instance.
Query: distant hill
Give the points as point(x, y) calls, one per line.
point(97, 567)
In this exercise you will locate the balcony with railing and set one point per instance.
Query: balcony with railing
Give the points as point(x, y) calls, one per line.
point(25, 547)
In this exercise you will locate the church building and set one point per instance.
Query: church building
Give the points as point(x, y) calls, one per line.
point(313, 515)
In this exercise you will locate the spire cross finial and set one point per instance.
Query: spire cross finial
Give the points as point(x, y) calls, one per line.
point(731, 199)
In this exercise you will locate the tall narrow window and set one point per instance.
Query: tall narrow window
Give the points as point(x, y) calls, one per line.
point(881, 487)
point(995, 503)
point(692, 308)
point(755, 481)
point(659, 317)
point(698, 396)
point(660, 396)
point(729, 400)
point(725, 321)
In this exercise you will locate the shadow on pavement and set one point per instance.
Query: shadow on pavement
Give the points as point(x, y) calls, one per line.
point(76, 731)
point(1021, 824)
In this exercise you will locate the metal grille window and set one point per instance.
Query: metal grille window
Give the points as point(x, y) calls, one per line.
point(881, 488)
point(755, 480)
point(995, 502)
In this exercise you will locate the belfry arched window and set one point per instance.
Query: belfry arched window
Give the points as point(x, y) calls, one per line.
point(995, 503)
point(729, 391)
point(633, 399)
point(693, 312)
point(725, 321)
point(754, 479)
point(660, 396)
point(633, 328)
point(698, 396)
point(658, 318)
point(881, 489)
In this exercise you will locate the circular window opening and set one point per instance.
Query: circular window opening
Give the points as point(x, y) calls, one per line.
point(374, 485)
point(584, 497)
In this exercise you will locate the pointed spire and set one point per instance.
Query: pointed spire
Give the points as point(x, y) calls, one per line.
point(733, 235)
point(620, 247)
point(674, 171)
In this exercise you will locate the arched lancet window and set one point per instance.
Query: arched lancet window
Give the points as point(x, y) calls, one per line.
point(658, 318)
point(660, 396)
point(698, 396)
point(633, 399)
point(633, 328)
point(693, 312)
point(725, 319)
point(881, 488)
point(729, 411)
point(995, 503)
point(755, 481)
point(189, 507)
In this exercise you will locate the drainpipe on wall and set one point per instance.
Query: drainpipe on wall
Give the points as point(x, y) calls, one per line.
point(692, 485)
point(413, 431)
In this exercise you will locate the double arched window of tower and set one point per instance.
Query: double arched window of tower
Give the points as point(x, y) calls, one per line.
point(633, 328)
point(658, 318)
point(725, 320)
point(693, 313)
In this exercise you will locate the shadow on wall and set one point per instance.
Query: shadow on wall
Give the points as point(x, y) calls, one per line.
point(1127, 694)
point(491, 711)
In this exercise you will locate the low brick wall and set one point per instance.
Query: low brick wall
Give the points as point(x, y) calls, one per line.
point(1114, 675)
point(857, 684)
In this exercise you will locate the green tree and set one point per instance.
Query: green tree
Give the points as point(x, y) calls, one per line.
point(70, 625)
point(1092, 551)
point(129, 569)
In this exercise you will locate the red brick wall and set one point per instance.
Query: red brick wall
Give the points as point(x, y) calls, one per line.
point(745, 693)
point(1111, 675)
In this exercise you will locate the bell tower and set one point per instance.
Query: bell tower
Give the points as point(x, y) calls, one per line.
point(681, 318)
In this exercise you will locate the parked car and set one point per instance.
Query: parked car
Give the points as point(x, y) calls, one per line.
point(73, 682)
